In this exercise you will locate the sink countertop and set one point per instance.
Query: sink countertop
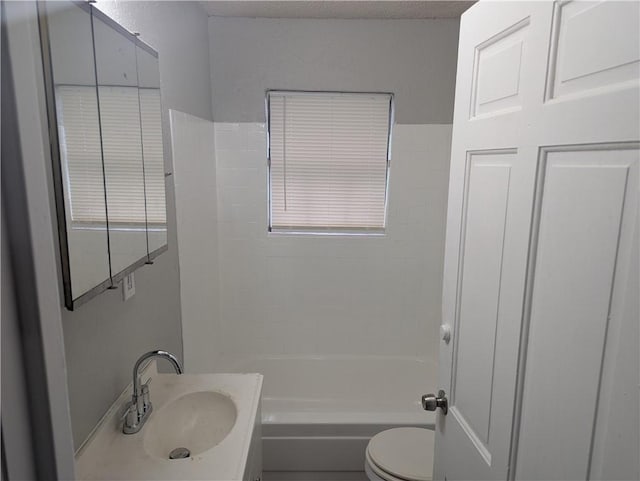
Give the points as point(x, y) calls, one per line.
point(109, 454)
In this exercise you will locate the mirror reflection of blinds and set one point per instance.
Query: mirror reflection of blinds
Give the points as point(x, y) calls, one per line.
point(328, 161)
point(79, 132)
point(121, 123)
point(151, 115)
point(122, 154)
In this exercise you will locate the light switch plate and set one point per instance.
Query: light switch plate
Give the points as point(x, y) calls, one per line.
point(128, 287)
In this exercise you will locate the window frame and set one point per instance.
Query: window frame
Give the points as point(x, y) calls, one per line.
point(319, 230)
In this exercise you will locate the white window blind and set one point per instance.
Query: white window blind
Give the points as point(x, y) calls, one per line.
point(122, 148)
point(328, 161)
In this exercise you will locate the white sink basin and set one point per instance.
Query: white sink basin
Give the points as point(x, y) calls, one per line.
point(197, 421)
point(215, 416)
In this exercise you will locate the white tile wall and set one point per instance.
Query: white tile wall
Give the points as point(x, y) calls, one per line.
point(194, 177)
point(287, 294)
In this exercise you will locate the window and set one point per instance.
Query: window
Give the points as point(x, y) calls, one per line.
point(124, 132)
point(328, 161)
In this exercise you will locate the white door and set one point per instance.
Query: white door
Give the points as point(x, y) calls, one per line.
point(541, 288)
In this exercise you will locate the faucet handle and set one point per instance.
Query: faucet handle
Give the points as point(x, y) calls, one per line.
point(146, 397)
point(130, 414)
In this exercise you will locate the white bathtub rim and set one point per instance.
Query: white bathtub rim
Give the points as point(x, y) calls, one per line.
point(238, 363)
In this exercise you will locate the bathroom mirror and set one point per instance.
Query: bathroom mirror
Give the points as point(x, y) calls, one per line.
point(152, 148)
point(77, 172)
point(104, 109)
point(121, 130)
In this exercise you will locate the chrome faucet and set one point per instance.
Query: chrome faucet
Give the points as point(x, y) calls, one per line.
point(140, 407)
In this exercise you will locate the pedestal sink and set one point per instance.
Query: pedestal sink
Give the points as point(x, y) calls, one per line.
point(197, 421)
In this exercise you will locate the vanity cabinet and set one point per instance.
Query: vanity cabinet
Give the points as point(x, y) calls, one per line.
point(104, 109)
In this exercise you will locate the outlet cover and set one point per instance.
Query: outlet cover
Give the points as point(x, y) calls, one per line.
point(128, 287)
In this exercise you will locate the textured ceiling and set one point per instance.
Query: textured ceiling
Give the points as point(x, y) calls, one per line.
point(336, 8)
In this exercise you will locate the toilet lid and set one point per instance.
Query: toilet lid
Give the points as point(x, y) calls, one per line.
point(406, 453)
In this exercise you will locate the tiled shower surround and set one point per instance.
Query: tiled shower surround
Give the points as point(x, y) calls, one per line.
point(319, 294)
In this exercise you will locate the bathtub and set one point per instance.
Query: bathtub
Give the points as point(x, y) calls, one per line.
point(319, 413)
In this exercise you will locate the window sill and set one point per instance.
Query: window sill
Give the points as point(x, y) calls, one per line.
point(295, 233)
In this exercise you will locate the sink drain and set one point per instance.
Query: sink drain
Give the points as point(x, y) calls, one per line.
point(179, 453)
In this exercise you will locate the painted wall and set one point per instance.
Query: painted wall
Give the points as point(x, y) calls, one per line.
point(326, 295)
point(104, 337)
point(415, 59)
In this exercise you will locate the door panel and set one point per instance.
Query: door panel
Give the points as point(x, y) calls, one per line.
point(583, 203)
point(617, 428)
point(587, 54)
point(484, 229)
point(497, 67)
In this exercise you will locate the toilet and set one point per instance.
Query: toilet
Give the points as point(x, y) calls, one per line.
point(400, 454)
